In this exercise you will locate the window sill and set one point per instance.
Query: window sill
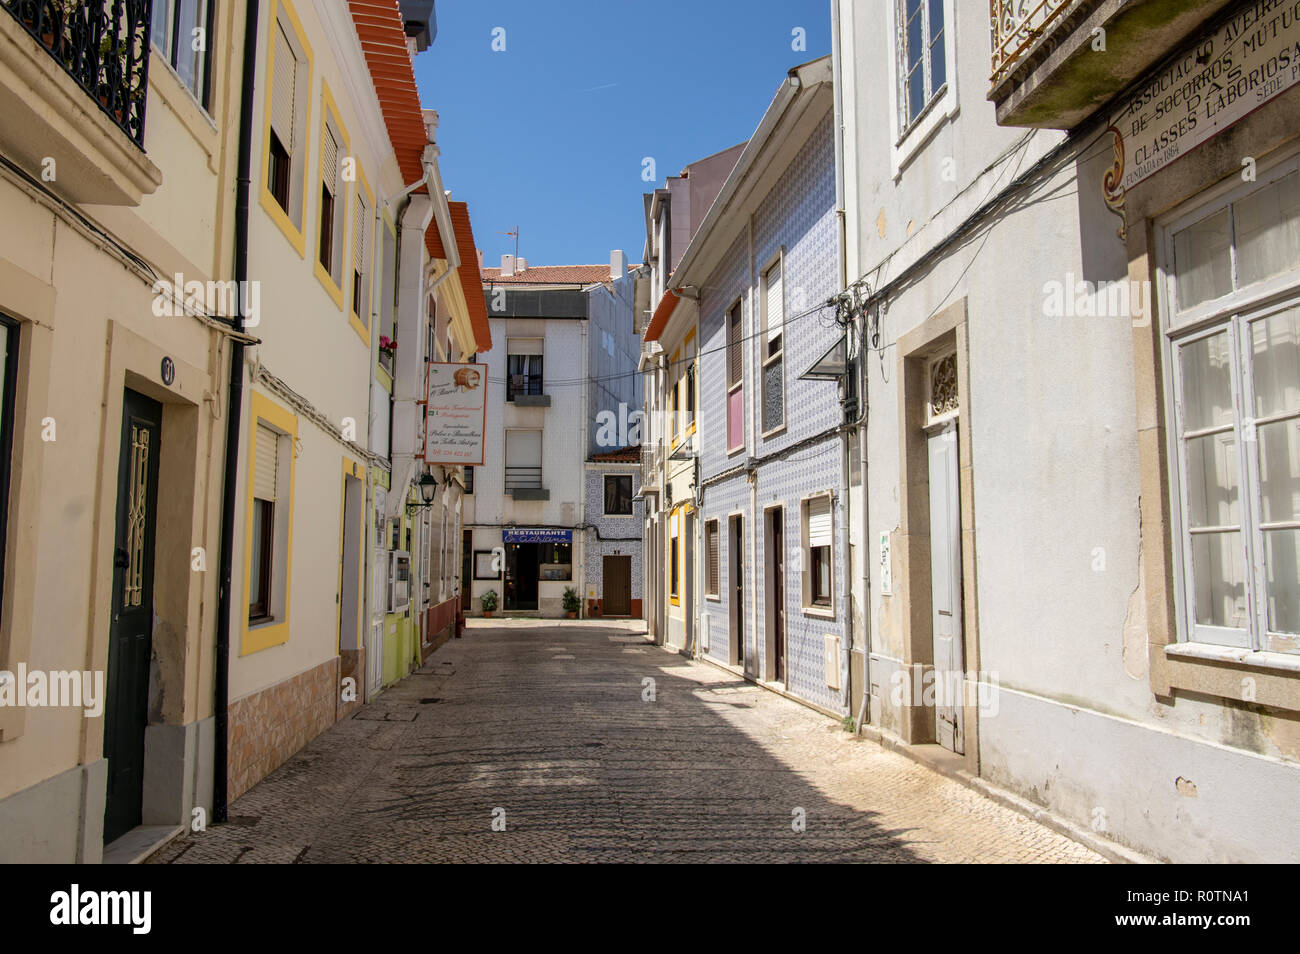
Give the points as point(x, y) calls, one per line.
point(1226, 672)
point(713, 597)
point(941, 108)
point(1208, 652)
point(819, 612)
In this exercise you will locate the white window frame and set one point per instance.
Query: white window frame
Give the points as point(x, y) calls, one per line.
point(1234, 312)
point(765, 361)
point(806, 603)
point(907, 140)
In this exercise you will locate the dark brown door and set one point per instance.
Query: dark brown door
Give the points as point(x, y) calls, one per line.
point(778, 594)
point(618, 585)
point(130, 633)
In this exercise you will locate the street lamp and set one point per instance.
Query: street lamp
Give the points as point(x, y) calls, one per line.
point(428, 485)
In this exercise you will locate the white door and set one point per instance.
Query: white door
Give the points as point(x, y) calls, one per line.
point(945, 585)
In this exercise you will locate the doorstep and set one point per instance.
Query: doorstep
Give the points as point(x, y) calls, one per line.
point(139, 843)
point(951, 765)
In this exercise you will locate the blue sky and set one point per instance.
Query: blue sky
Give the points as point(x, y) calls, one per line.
point(550, 134)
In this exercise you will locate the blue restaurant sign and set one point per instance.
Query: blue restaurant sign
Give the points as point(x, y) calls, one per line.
point(537, 536)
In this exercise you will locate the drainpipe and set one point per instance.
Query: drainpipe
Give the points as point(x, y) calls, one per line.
point(234, 414)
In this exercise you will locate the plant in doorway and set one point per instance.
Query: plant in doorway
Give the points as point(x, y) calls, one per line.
point(489, 603)
point(572, 602)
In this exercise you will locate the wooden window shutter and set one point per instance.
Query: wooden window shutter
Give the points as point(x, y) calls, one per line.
point(819, 522)
point(285, 89)
point(266, 463)
point(734, 367)
point(775, 313)
point(329, 161)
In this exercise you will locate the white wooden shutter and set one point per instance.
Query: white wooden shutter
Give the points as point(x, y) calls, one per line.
point(285, 88)
point(819, 522)
point(266, 463)
point(528, 346)
point(329, 161)
point(359, 234)
point(775, 302)
point(523, 448)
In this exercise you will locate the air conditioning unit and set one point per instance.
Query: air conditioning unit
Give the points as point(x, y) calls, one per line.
point(399, 581)
point(832, 643)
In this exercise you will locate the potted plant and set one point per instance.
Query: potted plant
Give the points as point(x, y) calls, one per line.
point(572, 603)
point(489, 603)
point(387, 350)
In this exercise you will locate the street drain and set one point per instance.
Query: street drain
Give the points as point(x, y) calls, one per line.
point(430, 701)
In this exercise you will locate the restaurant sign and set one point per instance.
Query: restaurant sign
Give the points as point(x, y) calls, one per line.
point(455, 413)
point(536, 536)
point(1216, 81)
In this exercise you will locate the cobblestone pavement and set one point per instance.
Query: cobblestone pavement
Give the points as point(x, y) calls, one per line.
point(543, 725)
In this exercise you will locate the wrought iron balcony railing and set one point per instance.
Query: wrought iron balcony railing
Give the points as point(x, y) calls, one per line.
point(1017, 26)
point(103, 45)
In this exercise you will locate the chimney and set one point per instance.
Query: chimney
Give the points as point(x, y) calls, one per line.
point(521, 264)
point(480, 258)
point(617, 264)
point(507, 266)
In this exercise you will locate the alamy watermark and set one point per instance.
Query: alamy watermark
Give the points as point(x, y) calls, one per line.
point(38, 688)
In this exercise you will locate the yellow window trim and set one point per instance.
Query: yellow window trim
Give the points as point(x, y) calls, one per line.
point(330, 110)
point(297, 236)
point(675, 599)
point(351, 469)
point(672, 411)
point(363, 187)
point(257, 638)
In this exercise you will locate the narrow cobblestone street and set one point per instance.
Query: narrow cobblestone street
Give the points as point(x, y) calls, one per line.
point(547, 722)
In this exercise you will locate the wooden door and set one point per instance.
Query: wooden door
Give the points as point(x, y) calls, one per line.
point(617, 592)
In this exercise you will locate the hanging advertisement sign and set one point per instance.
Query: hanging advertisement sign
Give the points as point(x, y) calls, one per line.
point(455, 413)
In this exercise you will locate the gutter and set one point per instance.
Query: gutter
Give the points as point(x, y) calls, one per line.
point(234, 415)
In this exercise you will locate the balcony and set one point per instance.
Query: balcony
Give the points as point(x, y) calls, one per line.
point(525, 483)
point(1048, 68)
point(74, 76)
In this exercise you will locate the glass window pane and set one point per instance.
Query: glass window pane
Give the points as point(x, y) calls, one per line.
point(915, 39)
point(255, 596)
point(1212, 481)
point(1202, 267)
point(1275, 360)
point(187, 59)
point(1279, 470)
point(1219, 580)
point(1206, 386)
point(773, 396)
point(936, 18)
point(1268, 230)
point(1281, 548)
point(160, 27)
point(915, 93)
point(938, 65)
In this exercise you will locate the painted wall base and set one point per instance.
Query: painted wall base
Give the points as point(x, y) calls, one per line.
point(57, 821)
point(1167, 795)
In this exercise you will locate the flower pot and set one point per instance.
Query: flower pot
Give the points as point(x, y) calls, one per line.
point(487, 614)
point(573, 614)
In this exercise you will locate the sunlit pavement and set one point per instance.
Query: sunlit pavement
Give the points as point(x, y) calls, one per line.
point(542, 741)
